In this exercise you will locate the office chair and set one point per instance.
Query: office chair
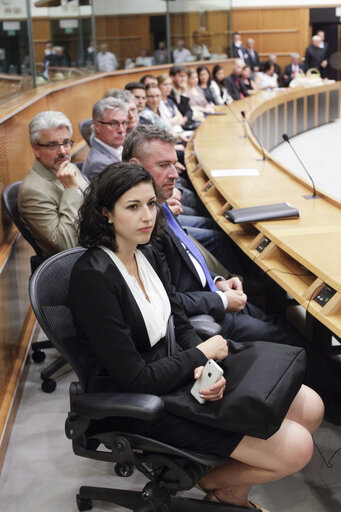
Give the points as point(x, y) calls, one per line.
point(86, 130)
point(10, 199)
point(168, 469)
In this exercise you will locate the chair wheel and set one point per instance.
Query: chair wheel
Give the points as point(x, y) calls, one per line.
point(83, 504)
point(38, 356)
point(48, 385)
point(123, 469)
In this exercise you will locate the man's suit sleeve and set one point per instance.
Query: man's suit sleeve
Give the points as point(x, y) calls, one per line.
point(96, 306)
point(193, 302)
point(232, 89)
point(50, 221)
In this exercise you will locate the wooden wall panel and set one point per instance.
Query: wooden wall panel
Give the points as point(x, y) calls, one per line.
point(41, 34)
point(280, 31)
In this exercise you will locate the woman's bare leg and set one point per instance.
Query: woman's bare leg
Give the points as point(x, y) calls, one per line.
point(307, 409)
point(256, 461)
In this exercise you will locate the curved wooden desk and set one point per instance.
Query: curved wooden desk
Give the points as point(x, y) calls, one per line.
point(304, 254)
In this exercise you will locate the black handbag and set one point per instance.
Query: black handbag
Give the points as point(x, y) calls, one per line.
point(263, 379)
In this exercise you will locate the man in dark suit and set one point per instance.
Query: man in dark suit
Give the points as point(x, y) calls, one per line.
point(253, 56)
point(198, 290)
point(292, 70)
point(236, 88)
point(110, 128)
point(315, 56)
point(237, 50)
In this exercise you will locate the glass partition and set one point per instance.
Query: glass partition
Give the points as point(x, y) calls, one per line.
point(15, 67)
point(199, 29)
point(68, 39)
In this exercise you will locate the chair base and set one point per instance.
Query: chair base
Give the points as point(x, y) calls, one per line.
point(152, 499)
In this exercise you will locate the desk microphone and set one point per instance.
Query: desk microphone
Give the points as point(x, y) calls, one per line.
point(286, 138)
point(236, 118)
point(254, 134)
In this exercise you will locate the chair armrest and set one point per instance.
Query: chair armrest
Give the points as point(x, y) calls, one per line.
point(130, 405)
point(205, 326)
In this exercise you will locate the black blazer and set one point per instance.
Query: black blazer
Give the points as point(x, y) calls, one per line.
point(287, 72)
point(232, 88)
point(234, 52)
point(180, 272)
point(314, 57)
point(252, 63)
point(113, 333)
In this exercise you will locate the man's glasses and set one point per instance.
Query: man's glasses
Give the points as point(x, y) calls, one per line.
point(114, 123)
point(53, 146)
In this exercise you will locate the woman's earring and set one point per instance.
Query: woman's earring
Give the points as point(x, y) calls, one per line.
point(109, 221)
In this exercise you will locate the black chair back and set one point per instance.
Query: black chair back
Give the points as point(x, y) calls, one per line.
point(85, 130)
point(10, 199)
point(49, 294)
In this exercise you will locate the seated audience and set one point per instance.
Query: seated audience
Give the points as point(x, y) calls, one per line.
point(138, 90)
point(219, 90)
point(247, 79)
point(143, 60)
point(52, 191)
point(181, 54)
point(292, 70)
point(197, 99)
point(204, 80)
point(121, 304)
point(273, 60)
point(234, 83)
point(253, 57)
point(194, 285)
point(106, 61)
point(127, 97)
point(151, 112)
point(110, 127)
point(237, 50)
point(178, 75)
point(267, 80)
point(148, 79)
point(198, 48)
point(160, 55)
point(168, 109)
point(315, 56)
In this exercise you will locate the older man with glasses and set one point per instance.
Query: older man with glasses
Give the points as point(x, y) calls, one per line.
point(52, 192)
point(110, 116)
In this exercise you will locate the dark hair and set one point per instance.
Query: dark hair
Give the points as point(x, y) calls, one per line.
point(174, 70)
point(214, 72)
point(103, 192)
point(204, 68)
point(246, 66)
point(134, 85)
point(236, 33)
point(136, 140)
point(144, 78)
point(268, 65)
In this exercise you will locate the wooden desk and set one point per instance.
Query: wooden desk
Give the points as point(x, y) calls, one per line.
point(305, 253)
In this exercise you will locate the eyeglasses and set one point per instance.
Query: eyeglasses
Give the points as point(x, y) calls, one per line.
point(115, 123)
point(53, 146)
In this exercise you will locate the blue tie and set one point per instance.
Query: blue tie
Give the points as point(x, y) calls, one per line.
point(190, 246)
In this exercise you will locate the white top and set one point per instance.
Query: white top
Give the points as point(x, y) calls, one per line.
point(266, 82)
point(182, 55)
point(156, 312)
point(218, 100)
point(116, 152)
point(106, 61)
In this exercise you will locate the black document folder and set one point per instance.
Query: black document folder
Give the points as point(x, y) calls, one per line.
point(265, 212)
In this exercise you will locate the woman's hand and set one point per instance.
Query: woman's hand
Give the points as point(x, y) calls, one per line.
point(214, 348)
point(215, 392)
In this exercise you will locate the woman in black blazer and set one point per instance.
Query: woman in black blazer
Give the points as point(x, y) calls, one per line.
point(112, 288)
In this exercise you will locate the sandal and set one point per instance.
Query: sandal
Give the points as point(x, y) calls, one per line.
point(211, 497)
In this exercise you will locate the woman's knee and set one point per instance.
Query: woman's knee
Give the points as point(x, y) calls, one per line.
point(297, 448)
point(307, 409)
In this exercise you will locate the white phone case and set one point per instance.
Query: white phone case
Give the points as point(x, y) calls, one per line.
point(210, 375)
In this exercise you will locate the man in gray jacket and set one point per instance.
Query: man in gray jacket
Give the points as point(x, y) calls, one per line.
point(52, 192)
point(110, 116)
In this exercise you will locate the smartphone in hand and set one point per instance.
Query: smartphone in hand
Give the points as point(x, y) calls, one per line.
point(210, 375)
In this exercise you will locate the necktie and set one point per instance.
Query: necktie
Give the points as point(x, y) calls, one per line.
point(192, 248)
